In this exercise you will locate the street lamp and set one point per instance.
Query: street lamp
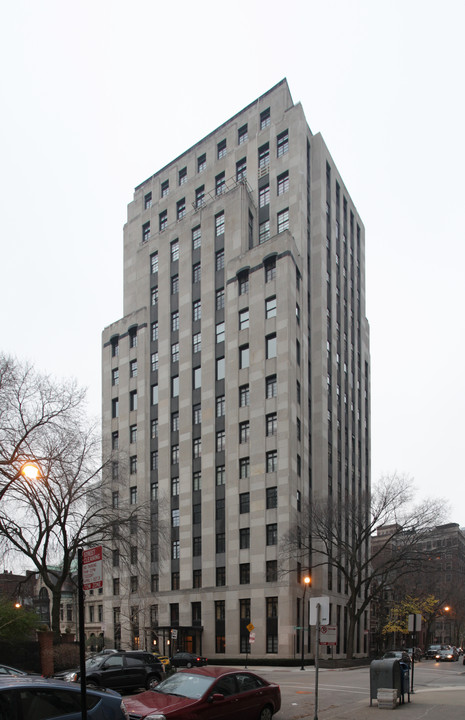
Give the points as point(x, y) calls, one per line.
point(30, 470)
point(306, 584)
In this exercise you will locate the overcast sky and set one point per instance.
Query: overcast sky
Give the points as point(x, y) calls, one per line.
point(98, 95)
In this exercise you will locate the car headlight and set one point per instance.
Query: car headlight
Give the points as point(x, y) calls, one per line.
point(155, 716)
point(71, 677)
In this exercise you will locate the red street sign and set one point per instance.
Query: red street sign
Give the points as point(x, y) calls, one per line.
point(328, 635)
point(92, 576)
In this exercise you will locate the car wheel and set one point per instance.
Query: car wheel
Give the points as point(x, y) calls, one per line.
point(189, 664)
point(266, 713)
point(92, 684)
point(152, 681)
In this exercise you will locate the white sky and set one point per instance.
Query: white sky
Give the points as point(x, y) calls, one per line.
point(98, 95)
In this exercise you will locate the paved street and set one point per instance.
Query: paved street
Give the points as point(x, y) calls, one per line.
point(345, 694)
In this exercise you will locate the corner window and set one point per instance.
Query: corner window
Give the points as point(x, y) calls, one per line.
point(283, 220)
point(244, 358)
point(146, 231)
point(283, 183)
point(221, 149)
point(201, 163)
point(265, 118)
point(148, 201)
point(244, 319)
point(219, 224)
point(242, 135)
point(282, 143)
point(241, 170)
point(270, 307)
point(220, 184)
point(264, 196)
point(164, 188)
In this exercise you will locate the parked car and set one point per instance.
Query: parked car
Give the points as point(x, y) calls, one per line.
point(164, 659)
point(7, 670)
point(401, 655)
point(447, 654)
point(431, 650)
point(128, 670)
point(188, 660)
point(206, 693)
point(32, 696)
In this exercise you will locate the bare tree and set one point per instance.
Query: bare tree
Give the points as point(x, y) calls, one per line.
point(339, 536)
point(70, 505)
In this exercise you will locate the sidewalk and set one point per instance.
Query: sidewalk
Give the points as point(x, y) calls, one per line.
point(443, 703)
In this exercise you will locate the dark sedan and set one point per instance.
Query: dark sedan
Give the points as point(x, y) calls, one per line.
point(208, 693)
point(188, 660)
point(129, 670)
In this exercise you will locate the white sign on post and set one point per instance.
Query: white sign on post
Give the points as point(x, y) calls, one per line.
point(92, 576)
point(414, 622)
point(328, 635)
point(323, 602)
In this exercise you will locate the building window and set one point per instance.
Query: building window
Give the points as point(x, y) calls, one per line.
point(264, 196)
point(115, 557)
point(219, 260)
point(132, 334)
point(297, 352)
point(154, 460)
point(174, 487)
point(175, 285)
point(174, 247)
point(242, 135)
point(197, 579)
point(220, 368)
point(200, 196)
point(180, 208)
point(283, 220)
point(220, 543)
point(196, 273)
point(175, 549)
point(154, 263)
point(221, 149)
point(154, 361)
point(133, 464)
point(174, 454)
point(220, 475)
point(270, 269)
point(219, 509)
point(244, 396)
point(163, 220)
point(220, 406)
point(265, 118)
point(220, 184)
point(220, 576)
point(244, 573)
point(175, 517)
point(115, 499)
point(133, 495)
point(271, 625)
point(164, 188)
point(197, 546)
point(244, 319)
point(196, 342)
point(115, 376)
point(271, 347)
point(197, 480)
point(146, 231)
point(197, 448)
point(115, 586)
point(133, 400)
point(148, 201)
point(263, 232)
point(175, 320)
point(115, 470)
point(154, 333)
point(115, 440)
point(244, 467)
point(196, 310)
point(271, 386)
point(244, 538)
point(298, 391)
point(197, 414)
point(201, 163)
point(244, 358)
point(271, 424)
point(244, 503)
point(264, 156)
point(154, 428)
point(243, 279)
point(133, 369)
point(241, 169)
point(175, 580)
point(154, 394)
point(154, 295)
point(244, 431)
point(196, 238)
point(175, 352)
point(219, 224)
point(297, 313)
point(283, 183)
point(133, 552)
point(175, 386)
point(282, 143)
point(219, 332)
point(220, 299)
point(271, 570)
point(270, 307)
point(220, 440)
point(271, 497)
point(271, 461)
point(182, 176)
point(197, 374)
point(272, 534)
point(114, 347)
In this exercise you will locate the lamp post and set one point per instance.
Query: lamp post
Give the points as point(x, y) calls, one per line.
point(306, 584)
point(30, 470)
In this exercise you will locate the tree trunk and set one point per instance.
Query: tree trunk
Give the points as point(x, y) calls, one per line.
point(56, 601)
point(350, 638)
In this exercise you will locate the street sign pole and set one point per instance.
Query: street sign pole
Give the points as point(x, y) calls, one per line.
point(82, 641)
point(317, 657)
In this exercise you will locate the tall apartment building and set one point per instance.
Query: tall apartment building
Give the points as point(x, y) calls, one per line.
point(236, 385)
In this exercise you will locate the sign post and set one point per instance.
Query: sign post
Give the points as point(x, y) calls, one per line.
point(89, 577)
point(414, 624)
point(319, 615)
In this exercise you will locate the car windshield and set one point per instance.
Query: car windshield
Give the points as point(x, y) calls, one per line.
point(96, 661)
point(185, 685)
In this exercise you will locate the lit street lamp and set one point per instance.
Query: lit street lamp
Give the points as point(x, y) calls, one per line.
point(306, 584)
point(29, 470)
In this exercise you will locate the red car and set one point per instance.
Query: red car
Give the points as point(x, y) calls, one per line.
point(208, 693)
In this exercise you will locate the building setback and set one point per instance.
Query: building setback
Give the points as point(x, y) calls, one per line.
point(235, 387)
